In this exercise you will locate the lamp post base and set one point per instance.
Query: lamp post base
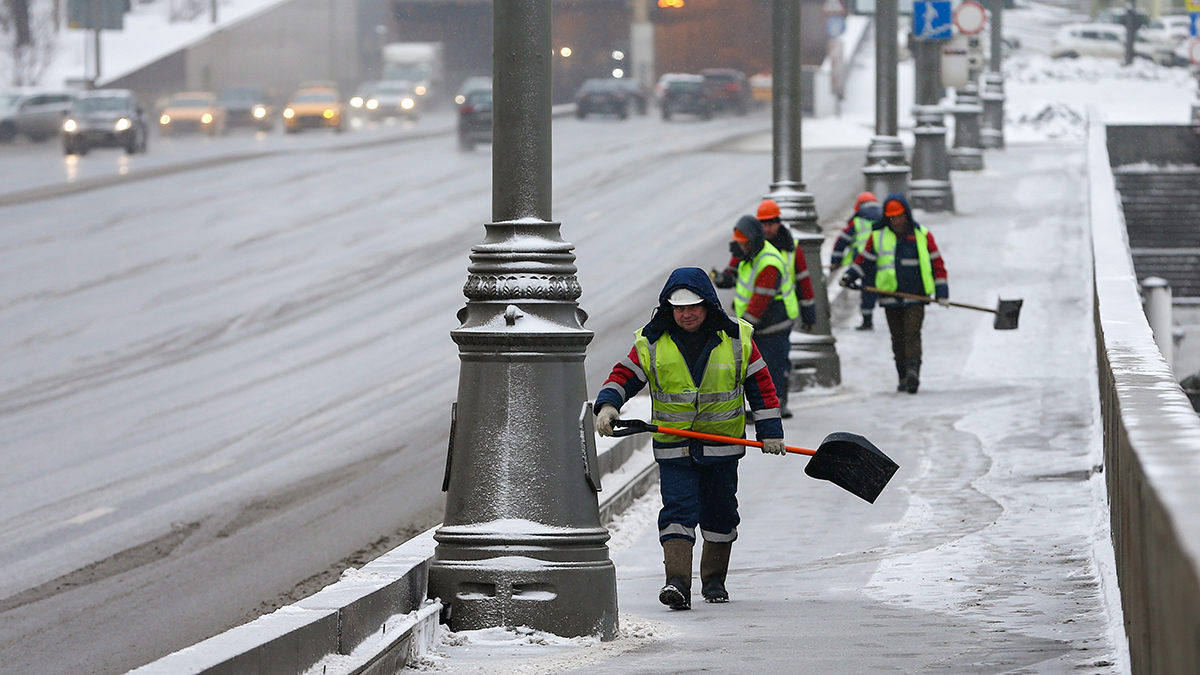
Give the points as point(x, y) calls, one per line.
point(930, 188)
point(886, 170)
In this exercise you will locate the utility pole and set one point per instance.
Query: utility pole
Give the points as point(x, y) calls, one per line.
point(798, 210)
point(522, 544)
point(993, 84)
point(931, 189)
point(887, 168)
point(641, 44)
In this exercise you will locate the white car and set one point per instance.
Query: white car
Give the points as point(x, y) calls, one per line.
point(1105, 41)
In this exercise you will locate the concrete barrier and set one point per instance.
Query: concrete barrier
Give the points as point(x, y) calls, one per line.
point(375, 619)
point(1151, 446)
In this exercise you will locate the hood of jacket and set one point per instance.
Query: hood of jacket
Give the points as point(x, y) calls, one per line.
point(899, 197)
point(871, 211)
point(695, 280)
point(752, 228)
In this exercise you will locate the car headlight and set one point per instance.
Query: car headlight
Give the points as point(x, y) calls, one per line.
point(70, 126)
point(259, 112)
point(123, 124)
point(165, 119)
point(328, 114)
point(289, 113)
point(420, 90)
point(407, 104)
point(206, 118)
point(460, 99)
point(372, 104)
point(356, 102)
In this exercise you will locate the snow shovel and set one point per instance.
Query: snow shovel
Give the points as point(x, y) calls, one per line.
point(847, 460)
point(1007, 311)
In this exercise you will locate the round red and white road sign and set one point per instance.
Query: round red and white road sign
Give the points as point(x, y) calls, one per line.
point(970, 17)
point(1193, 51)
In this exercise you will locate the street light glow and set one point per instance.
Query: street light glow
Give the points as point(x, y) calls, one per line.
point(618, 73)
point(618, 55)
point(565, 51)
point(667, 4)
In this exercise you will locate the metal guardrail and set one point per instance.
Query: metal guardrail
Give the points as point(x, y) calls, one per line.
point(378, 617)
point(1151, 446)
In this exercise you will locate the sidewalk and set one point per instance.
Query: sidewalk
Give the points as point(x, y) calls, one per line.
point(988, 552)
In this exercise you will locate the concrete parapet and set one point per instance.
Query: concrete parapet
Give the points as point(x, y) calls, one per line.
point(1152, 449)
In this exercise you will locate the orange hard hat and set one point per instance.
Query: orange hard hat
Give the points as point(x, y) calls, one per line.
point(864, 197)
point(738, 235)
point(768, 210)
point(893, 208)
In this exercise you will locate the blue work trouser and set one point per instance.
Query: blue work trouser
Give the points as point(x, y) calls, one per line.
point(698, 491)
point(774, 348)
point(867, 303)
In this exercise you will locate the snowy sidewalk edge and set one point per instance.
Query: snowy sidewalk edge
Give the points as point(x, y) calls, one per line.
point(344, 627)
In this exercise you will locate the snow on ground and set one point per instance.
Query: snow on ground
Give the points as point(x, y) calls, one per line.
point(1048, 99)
point(524, 651)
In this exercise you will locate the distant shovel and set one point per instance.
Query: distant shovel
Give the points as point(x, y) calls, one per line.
point(1007, 311)
point(844, 459)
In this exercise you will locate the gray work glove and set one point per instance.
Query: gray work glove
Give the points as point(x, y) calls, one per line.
point(944, 302)
point(774, 446)
point(604, 419)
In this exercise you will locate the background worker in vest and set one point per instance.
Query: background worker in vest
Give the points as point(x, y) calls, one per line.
point(702, 369)
point(781, 238)
point(868, 215)
point(765, 296)
point(902, 257)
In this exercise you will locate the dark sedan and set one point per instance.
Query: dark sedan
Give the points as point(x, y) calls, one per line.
point(247, 107)
point(104, 118)
point(603, 97)
point(475, 119)
point(688, 95)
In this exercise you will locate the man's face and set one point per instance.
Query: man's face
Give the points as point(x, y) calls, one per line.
point(770, 228)
point(690, 317)
point(744, 245)
point(899, 224)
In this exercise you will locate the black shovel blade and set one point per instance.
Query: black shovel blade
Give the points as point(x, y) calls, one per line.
point(852, 463)
point(1007, 313)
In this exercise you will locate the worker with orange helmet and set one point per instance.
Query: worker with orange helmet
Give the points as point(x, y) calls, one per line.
point(902, 256)
point(773, 289)
point(867, 216)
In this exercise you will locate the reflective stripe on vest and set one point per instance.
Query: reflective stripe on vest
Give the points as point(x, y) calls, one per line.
point(885, 261)
point(715, 407)
point(769, 256)
point(862, 232)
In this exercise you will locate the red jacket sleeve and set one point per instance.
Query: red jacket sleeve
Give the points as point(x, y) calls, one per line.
point(765, 285)
point(804, 283)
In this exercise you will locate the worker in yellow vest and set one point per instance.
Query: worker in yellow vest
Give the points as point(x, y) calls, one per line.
point(703, 369)
point(902, 257)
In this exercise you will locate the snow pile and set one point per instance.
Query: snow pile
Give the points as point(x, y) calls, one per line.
point(1148, 167)
point(524, 651)
point(1048, 99)
point(633, 521)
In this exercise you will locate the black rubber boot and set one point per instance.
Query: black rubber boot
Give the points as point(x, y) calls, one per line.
point(902, 373)
point(912, 379)
point(677, 559)
point(714, 565)
point(867, 323)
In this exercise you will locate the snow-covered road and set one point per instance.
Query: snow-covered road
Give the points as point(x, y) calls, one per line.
point(218, 384)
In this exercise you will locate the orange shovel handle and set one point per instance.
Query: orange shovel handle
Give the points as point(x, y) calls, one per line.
point(728, 439)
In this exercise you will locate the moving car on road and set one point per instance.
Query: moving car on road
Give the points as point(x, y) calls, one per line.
point(313, 108)
point(688, 95)
point(247, 107)
point(104, 118)
point(601, 96)
point(475, 119)
point(1106, 41)
point(38, 117)
point(386, 98)
point(192, 111)
point(728, 89)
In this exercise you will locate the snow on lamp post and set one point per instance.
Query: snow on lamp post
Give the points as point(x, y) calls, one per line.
point(798, 211)
point(522, 543)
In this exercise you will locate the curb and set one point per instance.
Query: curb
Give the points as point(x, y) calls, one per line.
point(377, 619)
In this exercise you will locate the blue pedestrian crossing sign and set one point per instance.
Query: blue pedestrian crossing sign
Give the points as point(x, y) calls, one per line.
point(932, 20)
point(1194, 23)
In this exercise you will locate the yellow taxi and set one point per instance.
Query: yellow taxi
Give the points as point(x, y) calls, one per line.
point(313, 108)
point(192, 111)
